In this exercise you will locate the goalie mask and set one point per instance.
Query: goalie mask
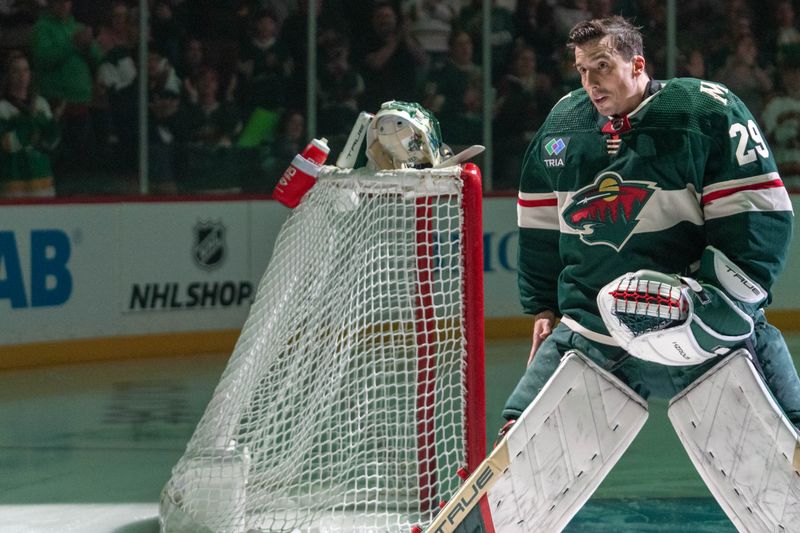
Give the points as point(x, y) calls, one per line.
point(404, 135)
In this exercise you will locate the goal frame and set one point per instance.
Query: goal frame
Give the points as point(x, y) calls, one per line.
point(469, 334)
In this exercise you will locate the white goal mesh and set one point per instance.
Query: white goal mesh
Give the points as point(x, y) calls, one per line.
point(346, 404)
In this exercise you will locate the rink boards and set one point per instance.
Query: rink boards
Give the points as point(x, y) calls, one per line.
point(162, 276)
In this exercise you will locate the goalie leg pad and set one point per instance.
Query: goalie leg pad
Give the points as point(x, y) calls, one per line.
point(743, 446)
point(563, 446)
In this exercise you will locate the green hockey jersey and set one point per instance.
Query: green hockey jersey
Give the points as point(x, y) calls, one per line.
point(598, 198)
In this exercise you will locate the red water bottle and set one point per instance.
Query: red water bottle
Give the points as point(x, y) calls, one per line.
point(317, 151)
point(302, 173)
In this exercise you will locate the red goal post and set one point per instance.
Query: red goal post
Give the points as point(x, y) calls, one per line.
point(356, 389)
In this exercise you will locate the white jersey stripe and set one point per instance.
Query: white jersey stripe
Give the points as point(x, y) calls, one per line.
point(537, 211)
point(539, 217)
point(775, 199)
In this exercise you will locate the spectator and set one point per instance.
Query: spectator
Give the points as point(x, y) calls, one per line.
point(359, 15)
point(117, 31)
point(524, 97)
point(781, 118)
point(745, 77)
point(391, 59)
point(281, 8)
point(470, 19)
point(166, 125)
point(722, 39)
point(193, 58)
point(785, 24)
point(265, 65)
point(294, 34)
point(568, 78)
point(653, 15)
point(167, 26)
point(454, 94)
point(291, 135)
point(340, 89)
point(28, 134)
point(535, 28)
point(212, 125)
point(290, 140)
point(779, 30)
point(64, 54)
point(162, 78)
point(214, 122)
point(694, 65)
point(117, 96)
point(430, 22)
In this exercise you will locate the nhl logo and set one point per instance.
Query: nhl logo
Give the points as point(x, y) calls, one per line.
point(209, 244)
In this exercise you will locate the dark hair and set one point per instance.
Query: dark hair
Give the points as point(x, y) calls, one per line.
point(625, 37)
point(455, 34)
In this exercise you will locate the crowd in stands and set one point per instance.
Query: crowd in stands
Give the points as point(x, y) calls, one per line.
point(227, 80)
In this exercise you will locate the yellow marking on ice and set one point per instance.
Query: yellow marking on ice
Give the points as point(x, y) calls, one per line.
point(115, 348)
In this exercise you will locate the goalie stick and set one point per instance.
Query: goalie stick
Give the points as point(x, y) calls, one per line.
point(349, 155)
point(461, 156)
point(472, 491)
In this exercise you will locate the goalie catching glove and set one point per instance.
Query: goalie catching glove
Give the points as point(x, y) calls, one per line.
point(678, 320)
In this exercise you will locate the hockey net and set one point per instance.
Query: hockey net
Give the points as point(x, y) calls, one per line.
point(355, 390)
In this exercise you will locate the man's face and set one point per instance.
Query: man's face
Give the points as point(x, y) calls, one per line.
point(611, 81)
point(384, 21)
point(194, 52)
point(208, 84)
point(461, 48)
point(19, 74)
point(266, 27)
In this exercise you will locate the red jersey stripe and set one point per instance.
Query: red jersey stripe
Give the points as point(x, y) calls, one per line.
point(549, 202)
point(710, 197)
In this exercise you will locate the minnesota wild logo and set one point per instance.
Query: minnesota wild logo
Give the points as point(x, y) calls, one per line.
point(605, 212)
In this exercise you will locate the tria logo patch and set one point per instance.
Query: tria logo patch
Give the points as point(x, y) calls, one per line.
point(605, 212)
point(553, 151)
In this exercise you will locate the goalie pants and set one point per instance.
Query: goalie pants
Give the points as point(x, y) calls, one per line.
point(653, 379)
